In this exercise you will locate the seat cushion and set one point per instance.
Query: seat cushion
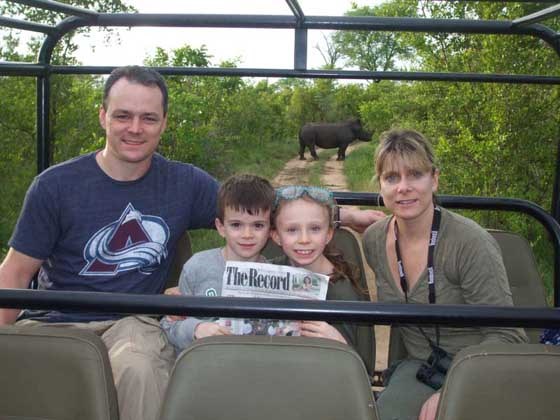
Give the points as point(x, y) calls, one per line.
point(503, 381)
point(273, 378)
point(55, 373)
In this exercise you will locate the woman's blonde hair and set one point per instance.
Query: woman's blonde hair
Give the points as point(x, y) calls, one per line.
point(408, 145)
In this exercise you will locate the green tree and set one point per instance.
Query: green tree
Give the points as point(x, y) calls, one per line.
point(375, 51)
point(74, 123)
point(492, 139)
point(331, 53)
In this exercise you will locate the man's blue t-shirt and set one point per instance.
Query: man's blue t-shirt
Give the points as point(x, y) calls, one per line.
point(98, 234)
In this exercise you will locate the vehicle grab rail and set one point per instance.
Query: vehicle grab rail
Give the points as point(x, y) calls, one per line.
point(336, 311)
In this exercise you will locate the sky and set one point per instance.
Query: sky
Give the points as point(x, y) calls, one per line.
point(254, 48)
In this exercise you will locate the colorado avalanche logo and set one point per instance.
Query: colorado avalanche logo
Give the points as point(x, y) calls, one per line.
point(134, 242)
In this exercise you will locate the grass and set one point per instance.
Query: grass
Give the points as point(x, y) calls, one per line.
point(359, 169)
point(318, 168)
point(265, 160)
point(202, 239)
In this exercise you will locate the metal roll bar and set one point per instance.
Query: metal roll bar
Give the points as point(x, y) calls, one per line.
point(300, 23)
point(338, 311)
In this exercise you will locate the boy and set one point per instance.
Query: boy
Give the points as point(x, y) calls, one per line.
point(243, 220)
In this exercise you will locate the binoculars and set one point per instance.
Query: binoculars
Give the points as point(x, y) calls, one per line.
point(433, 371)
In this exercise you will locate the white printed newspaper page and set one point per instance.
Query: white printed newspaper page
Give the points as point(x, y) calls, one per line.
point(249, 279)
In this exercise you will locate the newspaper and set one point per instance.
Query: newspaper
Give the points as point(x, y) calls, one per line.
point(249, 279)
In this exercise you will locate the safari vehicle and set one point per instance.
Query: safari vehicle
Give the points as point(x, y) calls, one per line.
point(519, 381)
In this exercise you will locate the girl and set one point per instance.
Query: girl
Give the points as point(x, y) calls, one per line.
point(302, 225)
point(426, 254)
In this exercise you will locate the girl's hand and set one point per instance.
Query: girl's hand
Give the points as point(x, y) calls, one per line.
point(208, 329)
point(321, 329)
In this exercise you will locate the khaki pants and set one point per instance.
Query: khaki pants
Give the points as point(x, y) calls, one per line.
point(141, 360)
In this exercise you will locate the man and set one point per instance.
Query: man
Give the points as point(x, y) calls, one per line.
point(108, 221)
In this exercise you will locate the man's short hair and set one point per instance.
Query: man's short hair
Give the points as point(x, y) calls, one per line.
point(137, 74)
point(245, 192)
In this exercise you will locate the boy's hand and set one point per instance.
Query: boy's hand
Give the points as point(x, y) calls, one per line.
point(321, 329)
point(174, 291)
point(359, 220)
point(208, 329)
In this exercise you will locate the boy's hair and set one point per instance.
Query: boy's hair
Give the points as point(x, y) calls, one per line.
point(249, 193)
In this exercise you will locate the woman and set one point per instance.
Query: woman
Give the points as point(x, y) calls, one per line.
point(461, 260)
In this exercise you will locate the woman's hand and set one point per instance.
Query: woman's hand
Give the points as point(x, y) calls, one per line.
point(429, 408)
point(321, 329)
point(208, 329)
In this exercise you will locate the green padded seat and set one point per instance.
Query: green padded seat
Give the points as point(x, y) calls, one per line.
point(56, 374)
point(525, 281)
point(500, 381)
point(272, 378)
point(523, 274)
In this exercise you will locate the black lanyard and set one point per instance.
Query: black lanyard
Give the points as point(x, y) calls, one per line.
point(434, 233)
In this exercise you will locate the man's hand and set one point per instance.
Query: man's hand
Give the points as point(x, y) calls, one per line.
point(208, 329)
point(429, 408)
point(16, 272)
point(321, 329)
point(359, 220)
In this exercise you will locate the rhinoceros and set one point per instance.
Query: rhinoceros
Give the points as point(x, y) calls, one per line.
point(330, 136)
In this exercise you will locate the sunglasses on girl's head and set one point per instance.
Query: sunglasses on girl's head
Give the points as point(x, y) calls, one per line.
point(293, 192)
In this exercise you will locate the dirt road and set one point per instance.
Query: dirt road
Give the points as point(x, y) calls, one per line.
point(297, 172)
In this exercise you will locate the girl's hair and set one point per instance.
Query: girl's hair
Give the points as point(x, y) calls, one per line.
point(409, 145)
point(342, 268)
